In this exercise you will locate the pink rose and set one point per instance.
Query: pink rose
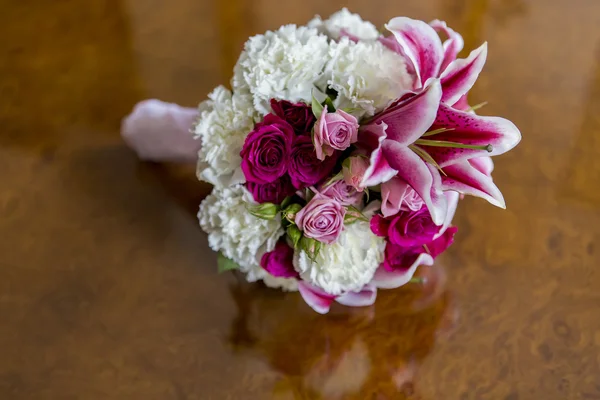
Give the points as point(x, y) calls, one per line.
point(321, 219)
point(304, 168)
point(272, 192)
point(298, 115)
point(344, 193)
point(398, 195)
point(353, 169)
point(334, 131)
point(267, 149)
point(279, 262)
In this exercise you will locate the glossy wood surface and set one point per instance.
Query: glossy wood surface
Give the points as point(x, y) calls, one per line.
point(108, 289)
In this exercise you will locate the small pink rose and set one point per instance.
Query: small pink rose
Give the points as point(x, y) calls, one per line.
point(321, 219)
point(397, 195)
point(279, 262)
point(334, 131)
point(344, 193)
point(353, 169)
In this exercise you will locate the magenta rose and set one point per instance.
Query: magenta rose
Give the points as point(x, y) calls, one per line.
point(412, 228)
point(298, 115)
point(400, 257)
point(272, 192)
point(344, 193)
point(279, 262)
point(321, 219)
point(334, 131)
point(304, 167)
point(267, 149)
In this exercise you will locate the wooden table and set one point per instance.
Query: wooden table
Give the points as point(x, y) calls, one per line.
point(108, 289)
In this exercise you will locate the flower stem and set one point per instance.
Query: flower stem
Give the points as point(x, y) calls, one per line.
point(442, 143)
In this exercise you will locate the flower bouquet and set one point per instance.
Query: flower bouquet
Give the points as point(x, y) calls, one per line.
point(340, 153)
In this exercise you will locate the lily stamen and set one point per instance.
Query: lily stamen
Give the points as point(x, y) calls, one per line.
point(442, 143)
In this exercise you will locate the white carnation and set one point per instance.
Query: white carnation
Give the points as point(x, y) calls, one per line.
point(223, 124)
point(284, 64)
point(366, 75)
point(257, 273)
point(235, 232)
point(344, 21)
point(346, 265)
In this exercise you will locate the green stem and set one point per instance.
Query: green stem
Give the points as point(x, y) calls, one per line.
point(443, 143)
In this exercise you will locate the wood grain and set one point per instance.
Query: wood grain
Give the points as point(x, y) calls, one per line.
point(108, 289)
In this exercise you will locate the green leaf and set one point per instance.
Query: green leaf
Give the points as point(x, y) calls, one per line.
point(317, 108)
point(337, 177)
point(351, 110)
point(294, 234)
point(329, 104)
point(266, 211)
point(225, 264)
point(311, 247)
point(353, 215)
point(286, 202)
point(290, 212)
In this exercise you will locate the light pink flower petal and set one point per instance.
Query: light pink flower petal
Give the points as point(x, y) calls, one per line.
point(385, 279)
point(452, 46)
point(461, 74)
point(364, 298)
point(408, 119)
point(465, 179)
point(484, 165)
point(316, 298)
point(379, 169)
point(392, 194)
point(452, 199)
point(159, 131)
point(417, 173)
point(462, 104)
point(471, 129)
point(420, 44)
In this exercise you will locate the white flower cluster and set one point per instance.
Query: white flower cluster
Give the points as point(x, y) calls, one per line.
point(346, 265)
point(291, 64)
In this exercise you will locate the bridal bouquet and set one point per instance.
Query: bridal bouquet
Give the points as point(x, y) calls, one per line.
point(340, 153)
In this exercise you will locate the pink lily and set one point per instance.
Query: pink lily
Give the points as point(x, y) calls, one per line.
point(418, 137)
point(412, 258)
point(429, 59)
point(320, 301)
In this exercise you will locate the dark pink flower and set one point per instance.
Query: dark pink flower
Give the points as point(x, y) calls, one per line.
point(266, 150)
point(321, 219)
point(298, 115)
point(272, 192)
point(412, 228)
point(304, 167)
point(334, 131)
point(279, 262)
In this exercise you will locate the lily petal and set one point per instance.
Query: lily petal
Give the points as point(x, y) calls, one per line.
point(420, 44)
point(464, 178)
point(471, 129)
point(461, 74)
point(462, 104)
point(410, 118)
point(316, 298)
point(452, 46)
point(484, 165)
point(416, 172)
point(392, 193)
point(379, 169)
point(385, 279)
point(364, 298)
point(452, 199)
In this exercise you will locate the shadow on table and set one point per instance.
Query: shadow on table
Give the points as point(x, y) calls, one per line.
point(371, 352)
